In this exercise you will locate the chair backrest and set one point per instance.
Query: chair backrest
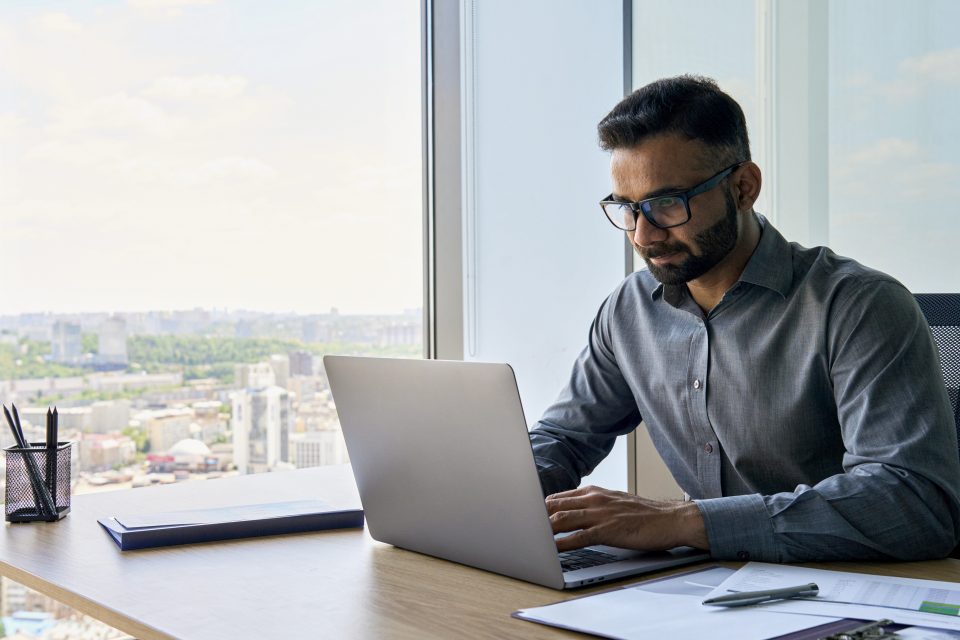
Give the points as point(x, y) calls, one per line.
point(943, 315)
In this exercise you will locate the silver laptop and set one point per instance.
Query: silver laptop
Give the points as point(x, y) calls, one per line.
point(444, 466)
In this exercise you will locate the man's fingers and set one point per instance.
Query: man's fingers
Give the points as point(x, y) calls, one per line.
point(558, 504)
point(573, 492)
point(571, 520)
point(576, 540)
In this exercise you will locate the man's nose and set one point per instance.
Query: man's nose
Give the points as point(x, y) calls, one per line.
point(646, 234)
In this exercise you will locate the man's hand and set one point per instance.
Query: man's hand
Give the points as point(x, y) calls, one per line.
point(624, 520)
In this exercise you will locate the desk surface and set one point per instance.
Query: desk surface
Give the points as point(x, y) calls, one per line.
point(326, 584)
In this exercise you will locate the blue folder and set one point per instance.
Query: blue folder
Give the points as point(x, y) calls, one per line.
point(142, 531)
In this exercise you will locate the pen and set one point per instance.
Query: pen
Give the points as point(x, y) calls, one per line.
point(51, 454)
point(44, 500)
point(744, 598)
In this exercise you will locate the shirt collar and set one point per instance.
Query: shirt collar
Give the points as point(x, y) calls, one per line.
point(770, 266)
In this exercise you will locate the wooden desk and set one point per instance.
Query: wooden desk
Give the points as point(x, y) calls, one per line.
point(338, 584)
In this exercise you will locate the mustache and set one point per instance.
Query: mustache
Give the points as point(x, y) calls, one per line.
point(648, 253)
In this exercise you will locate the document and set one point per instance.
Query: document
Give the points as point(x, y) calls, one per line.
point(669, 608)
point(140, 531)
point(924, 603)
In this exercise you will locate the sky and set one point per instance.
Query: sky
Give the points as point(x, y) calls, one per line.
point(172, 154)
point(893, 95)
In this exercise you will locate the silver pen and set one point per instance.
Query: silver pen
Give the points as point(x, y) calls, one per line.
point(743, 598)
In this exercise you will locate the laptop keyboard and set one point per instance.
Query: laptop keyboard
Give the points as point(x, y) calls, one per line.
point(582, 558)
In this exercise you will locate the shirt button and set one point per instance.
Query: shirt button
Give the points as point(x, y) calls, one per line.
point(708, 448)
point(696, 383)
point(743, 555)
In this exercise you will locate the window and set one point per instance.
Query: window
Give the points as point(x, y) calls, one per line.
point(850, 109)
point(894, 81)
point(200, 199)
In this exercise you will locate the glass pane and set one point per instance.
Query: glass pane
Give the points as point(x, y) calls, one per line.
point(200, 200)
point(678, 37)
point(894, 161)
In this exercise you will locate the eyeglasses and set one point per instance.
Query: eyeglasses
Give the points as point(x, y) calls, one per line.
point(663, 211)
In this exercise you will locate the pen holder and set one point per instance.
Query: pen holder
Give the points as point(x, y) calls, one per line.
point(51, 467)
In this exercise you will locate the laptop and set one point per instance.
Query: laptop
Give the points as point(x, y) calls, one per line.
point(444, 467)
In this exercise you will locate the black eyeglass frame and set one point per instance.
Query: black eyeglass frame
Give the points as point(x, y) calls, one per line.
point(645, 206)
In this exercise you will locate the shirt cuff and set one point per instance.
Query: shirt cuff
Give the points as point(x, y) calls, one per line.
point(553, 478)
point(739, 528)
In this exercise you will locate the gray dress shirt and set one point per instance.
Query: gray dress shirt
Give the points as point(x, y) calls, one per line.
point(805, 414)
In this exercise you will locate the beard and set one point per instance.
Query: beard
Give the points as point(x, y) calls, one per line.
point(714, 243)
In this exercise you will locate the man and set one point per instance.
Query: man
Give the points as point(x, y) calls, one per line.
point(794, 394)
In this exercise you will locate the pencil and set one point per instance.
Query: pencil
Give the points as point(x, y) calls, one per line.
point(44, 500)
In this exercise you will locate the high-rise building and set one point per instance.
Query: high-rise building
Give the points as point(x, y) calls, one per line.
point(66, 342)
point(112, 346)
point(280, 364)
point(255, 376)
point(319, 448)
point(301, 363)
point(261, 425)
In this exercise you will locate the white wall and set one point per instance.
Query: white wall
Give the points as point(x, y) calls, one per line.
point(539, 256)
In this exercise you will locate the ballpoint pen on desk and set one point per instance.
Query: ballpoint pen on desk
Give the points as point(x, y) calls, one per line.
point(743, 598)
point(44, 500)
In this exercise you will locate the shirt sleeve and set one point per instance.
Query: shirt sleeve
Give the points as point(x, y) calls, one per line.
point(897, 498)
point(594, 407)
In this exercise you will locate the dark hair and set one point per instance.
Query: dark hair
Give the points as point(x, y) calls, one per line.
point(692, 106)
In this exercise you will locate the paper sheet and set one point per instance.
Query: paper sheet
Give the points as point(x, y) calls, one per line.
point(669, 609)
point(927, 603)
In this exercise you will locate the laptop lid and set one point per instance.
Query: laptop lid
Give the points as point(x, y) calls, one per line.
point(444, 466)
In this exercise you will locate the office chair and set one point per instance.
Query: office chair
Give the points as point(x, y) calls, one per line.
point(942, 311)
point(943, 315)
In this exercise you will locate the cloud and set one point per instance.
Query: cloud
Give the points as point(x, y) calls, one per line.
point(192, 87)
point(890, 174)
point(168, 4)
point(915, 76)
point(881, 152)
point(937, 67)
point(167, 8)
point(112, 112)
point(57, 21)
point(231, 169)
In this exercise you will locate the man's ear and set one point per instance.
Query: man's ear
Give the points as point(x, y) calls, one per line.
point(748, 182)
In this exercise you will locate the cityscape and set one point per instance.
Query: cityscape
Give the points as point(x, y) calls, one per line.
point(161, 397)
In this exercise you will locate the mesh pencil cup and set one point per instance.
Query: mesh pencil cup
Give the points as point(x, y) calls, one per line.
point(50, 468)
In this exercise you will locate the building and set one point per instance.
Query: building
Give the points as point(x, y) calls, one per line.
point(319, 448)
point(255, 376)
point(193, 455)
point(211, 426)
point(100, 452)
point(112, 345)
point(261, 425)
point(69, 419)
point(318, 331)
point(28, 623)
point(281, 369)
point(400, 333)
point(164, 427)
point(66, 342)
point(109, 416)
point(301, 363)
point(16, 597)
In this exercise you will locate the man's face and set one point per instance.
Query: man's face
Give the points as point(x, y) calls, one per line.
point(679, 254)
